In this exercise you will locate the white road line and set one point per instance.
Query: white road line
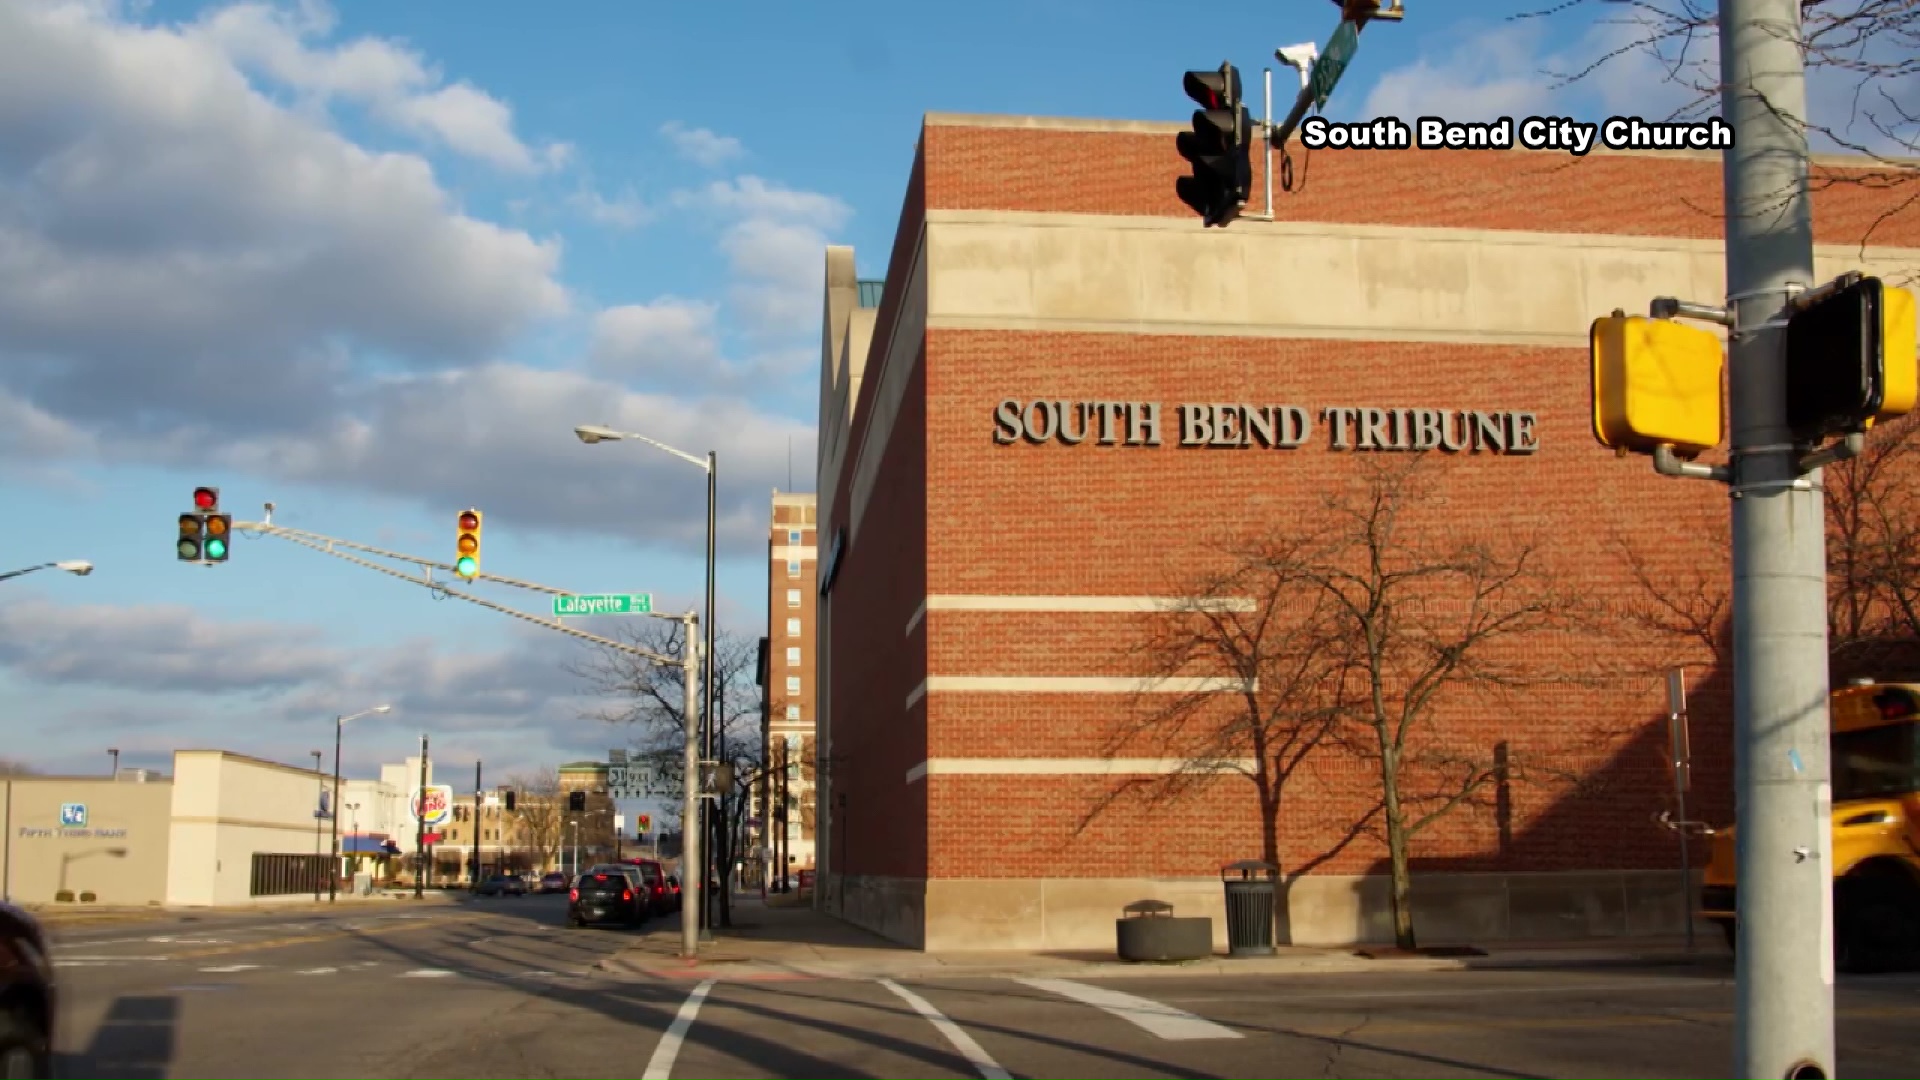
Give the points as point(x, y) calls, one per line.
point(108, 959)
point(660, 1065)
point(981, 1061)
point(1154, 1017)
point(1689, 988)
point(319, 971)
point(426, 973)
point(229, 969)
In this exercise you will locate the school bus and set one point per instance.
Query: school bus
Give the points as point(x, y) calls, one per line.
point(1876, 831)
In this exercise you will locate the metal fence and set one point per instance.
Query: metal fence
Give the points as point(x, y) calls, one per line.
point(283, 875)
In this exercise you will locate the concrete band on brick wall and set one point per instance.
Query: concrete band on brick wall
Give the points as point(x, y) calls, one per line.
point(989, 592)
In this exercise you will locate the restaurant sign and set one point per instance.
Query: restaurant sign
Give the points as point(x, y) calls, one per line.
point(1239, 425)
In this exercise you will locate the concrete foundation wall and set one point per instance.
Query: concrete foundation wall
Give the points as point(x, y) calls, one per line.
point(947, 915)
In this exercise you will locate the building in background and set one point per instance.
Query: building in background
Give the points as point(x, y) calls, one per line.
point(784, 799)
point(1072, 397)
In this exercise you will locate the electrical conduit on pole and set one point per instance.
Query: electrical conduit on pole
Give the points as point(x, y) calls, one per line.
point(691, 883)
point(1783, 1024)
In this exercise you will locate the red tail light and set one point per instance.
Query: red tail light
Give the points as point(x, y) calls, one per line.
point(573, 894)
point(626, 896)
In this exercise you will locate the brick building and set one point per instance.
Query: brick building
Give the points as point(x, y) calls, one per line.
point(788, 683)
point(989, 562)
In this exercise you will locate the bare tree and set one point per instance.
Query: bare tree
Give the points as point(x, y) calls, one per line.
point(1873, 553)
point(649, 698)
point(539, 813)
point(1872, 45)
point(11, 767)
point(1262, 623)
point(1691, 607)
point(1424, 621)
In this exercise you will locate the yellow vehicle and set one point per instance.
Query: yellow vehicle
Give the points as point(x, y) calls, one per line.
point(1876, 831)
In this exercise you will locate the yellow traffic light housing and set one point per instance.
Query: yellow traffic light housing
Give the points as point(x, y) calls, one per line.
point(1656, 382)
point(466, 545)
point(1850, 358)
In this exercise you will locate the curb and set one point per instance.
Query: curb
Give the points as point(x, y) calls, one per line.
point(729, 968)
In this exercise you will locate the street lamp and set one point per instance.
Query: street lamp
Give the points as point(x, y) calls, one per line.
point(594, 433)
point(339, 725)
point(319, 804)
point(76, 567)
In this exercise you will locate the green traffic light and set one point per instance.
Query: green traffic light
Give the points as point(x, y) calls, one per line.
point(216, 549)
point(466, 566)
point(189, 549)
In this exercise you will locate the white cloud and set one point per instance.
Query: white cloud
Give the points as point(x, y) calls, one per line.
point(775, 245)
point(700, 146)
point(656, 338)
point(173, 245)
point(394, 83)
point(624, 211)
point(157, 648)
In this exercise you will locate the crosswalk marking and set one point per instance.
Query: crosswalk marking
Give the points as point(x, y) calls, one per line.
point(227, 969)
point(1152, 1016)
point(427, 973)
point(660, 1065)
point(981, 1061)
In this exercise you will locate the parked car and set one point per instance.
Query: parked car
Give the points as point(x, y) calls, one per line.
point(503, 885)
point(27, 997)
point(600, 899)
point(554, 882)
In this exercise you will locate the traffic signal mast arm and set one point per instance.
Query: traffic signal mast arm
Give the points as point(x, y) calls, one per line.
point(329, 545)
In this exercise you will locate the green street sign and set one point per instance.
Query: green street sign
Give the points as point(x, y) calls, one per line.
point(604, 604)
point(1332, 63)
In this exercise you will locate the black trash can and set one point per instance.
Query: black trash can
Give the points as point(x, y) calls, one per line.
point(1250, 899)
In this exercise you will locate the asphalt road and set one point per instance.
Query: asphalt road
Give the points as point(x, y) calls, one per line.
point(500, 989)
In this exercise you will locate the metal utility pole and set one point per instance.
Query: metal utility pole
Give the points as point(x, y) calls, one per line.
point(475, 873)
point(709, 821)
point(333, 815)
point(692, 882)
point(420, 826)
point(319, 803)
point(1783, 1023)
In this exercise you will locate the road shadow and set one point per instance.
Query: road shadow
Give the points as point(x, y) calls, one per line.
point(136, 1040)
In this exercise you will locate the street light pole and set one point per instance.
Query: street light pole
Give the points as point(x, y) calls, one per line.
point(420, 826)
point(710, 819)
point(333, 814)
point(76, 567)
point(115, 754)
point(319, 796)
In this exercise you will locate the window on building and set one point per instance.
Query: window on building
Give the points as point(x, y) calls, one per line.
point(793, 627)
point(793, 656)
point(793, 684)
point(793, 567)
point(793, 597)
point(793, 537)
point(793, 712)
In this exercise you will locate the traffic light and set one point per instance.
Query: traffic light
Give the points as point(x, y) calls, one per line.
point(643, 823)
point(1655, 382)
point(466, 545)
point(507, 797)
point(219, 530)
point(193, 535)
point(576, 801)
point(1220, 147)
point(1850, 359)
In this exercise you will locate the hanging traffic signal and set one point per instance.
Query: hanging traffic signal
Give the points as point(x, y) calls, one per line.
point(218, 529)
point(193, 536)
point(1219, 148)
point(1850, 359)
point(206, 499)
point(466, 545)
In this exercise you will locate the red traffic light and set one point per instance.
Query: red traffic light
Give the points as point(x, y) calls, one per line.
point(206, 498)
point(1214, 89)
point(469, 521)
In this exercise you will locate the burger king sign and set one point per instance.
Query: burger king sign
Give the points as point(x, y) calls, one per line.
point(437, 806)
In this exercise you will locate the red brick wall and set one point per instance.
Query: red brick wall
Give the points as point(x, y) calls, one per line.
point(1040, 169)
point(1052, 519)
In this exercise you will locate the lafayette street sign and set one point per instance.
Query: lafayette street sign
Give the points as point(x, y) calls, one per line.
point(604, 604)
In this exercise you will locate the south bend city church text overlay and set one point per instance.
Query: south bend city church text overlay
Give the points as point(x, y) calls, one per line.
point(1576, 137)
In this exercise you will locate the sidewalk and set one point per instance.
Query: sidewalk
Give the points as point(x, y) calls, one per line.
point(769, 943)
point(90, 914)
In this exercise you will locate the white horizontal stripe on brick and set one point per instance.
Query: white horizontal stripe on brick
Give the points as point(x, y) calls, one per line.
point(1074, 605)
point(783, 553)
point(1072, 767)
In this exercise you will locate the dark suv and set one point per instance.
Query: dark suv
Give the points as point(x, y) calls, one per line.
point(604, 898)
point(27, 997)
point(661, 894)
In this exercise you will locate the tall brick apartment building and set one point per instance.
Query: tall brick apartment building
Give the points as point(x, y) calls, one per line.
point(790, 688)
point(989, 562)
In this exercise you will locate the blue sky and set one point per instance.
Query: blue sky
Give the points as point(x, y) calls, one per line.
point(372, 262)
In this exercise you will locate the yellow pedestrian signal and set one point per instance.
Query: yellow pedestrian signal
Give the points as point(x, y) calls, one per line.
point(466, 545)
point(1656, 382)
point(1850, 358)
point(1900, 353)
